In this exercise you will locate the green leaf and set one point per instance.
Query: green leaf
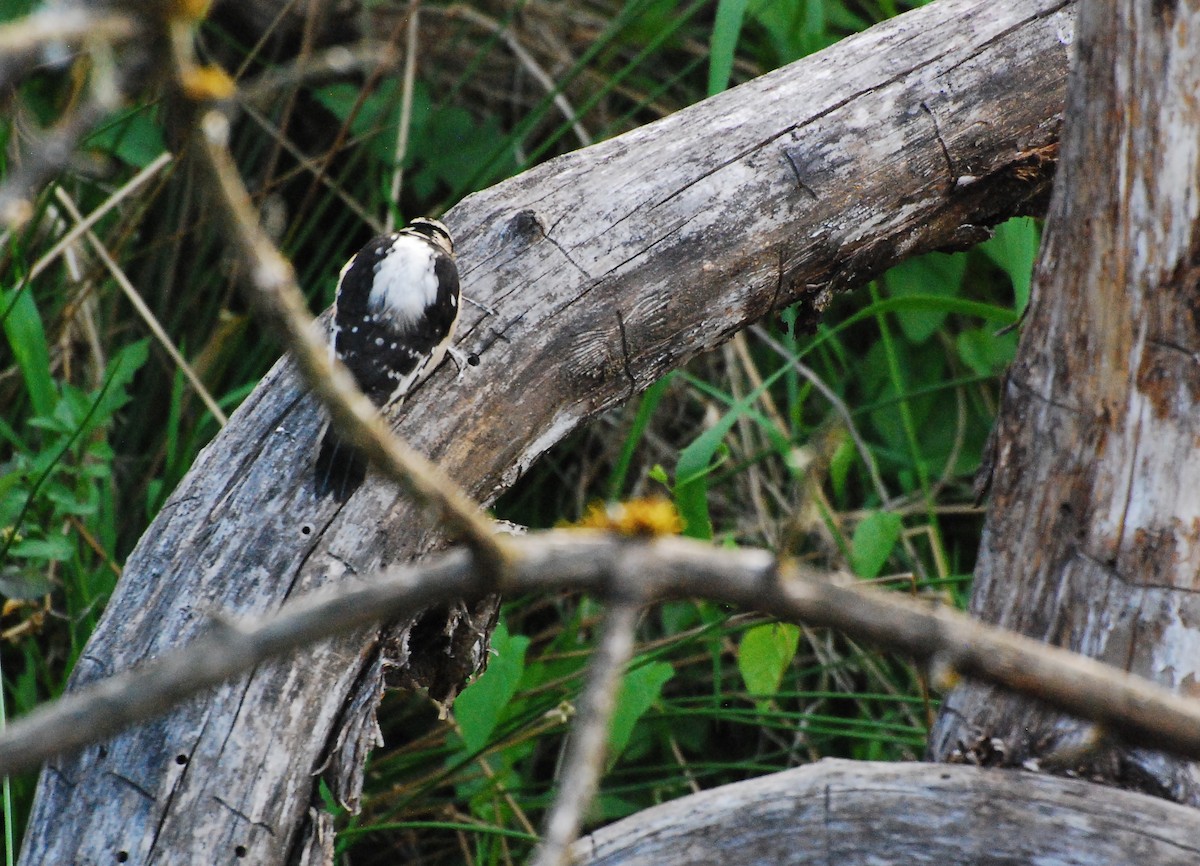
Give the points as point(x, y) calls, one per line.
point(27, 340)
point(53, 547)
point(27, 581)
point(764, 654)
point(874, 539)
point(935, 274)
point(121, 370)
point(986, 352)
point(10, 10)
point(646, 406)
point(132, 137)
point(725, 33)
point(375, 115)
point(696, 461)
point(67, 501)
point(844, 457)
point(640, 689)
point(478, 708)
point(1014, 248)
point(923, 368)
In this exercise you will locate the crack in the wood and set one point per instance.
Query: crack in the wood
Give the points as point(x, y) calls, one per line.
point(1190, 354)
point(132, 784)
point(723, 165)
point(239, 813)
point(105, 666)
point(1030, 393)
point(499, 334)
point(625, 356)
point(778, 283)
point(937, 132)
point(826, 823)
point(1112, 571)
point(1020, 25)
point(1135, 626)
point(1131, 461)
point(166, 810)
point(658, 240)
point(566, 255)
point(787, 154)
point(1102, 564)
point(465, 273)
point(173, 504)
point(55, 770)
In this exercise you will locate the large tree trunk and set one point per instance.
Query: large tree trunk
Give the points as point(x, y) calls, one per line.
point(1093, 535)
point(607, 268)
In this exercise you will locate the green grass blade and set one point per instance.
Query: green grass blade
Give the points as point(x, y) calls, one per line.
point(646, 407)
point(27, 339)
point(725, 33)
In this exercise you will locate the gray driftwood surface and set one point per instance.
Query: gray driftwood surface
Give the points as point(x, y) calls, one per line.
point(607, 268)
point(852, 812)
point(1093, 536)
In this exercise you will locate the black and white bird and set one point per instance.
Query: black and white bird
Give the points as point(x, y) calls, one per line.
point(394, 314)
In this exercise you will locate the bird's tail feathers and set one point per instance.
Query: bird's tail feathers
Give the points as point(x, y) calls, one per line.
point(341, 468)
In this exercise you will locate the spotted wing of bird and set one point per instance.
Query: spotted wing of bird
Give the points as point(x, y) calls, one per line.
point(396, 307)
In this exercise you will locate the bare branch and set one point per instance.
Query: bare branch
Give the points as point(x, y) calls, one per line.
point(406, 103)
point(667, 568)
point(72, 24)
point(332, 64)
point(132, 185)
point(580, 773)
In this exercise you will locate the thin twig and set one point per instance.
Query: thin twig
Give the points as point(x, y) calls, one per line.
point(1127, 706)
point(332, 64)
point(586, 748)
point(81, 226)
point(306, 162)
point(69, 24)
point(836, 402)
point(525, 59)
point(144, 311)
point(406, 102)
point(843, 411)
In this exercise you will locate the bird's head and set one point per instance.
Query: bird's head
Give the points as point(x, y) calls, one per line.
point(436, 231)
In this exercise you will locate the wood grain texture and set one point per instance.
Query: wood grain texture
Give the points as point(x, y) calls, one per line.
point(842, 812)
point(1093, 536)
point(606, 268)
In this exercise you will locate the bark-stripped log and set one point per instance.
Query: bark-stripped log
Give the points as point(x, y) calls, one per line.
point(859, 812)
point(1093, 535)
point(606, 268)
